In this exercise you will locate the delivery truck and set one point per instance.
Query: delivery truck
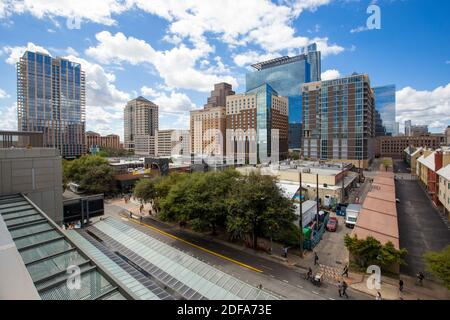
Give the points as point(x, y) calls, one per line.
point(351, 214)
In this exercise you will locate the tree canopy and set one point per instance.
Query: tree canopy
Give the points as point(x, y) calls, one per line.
point(438, 264)
point(257, 207)
point(92, 173)
point(370, 251)
point(244, 206)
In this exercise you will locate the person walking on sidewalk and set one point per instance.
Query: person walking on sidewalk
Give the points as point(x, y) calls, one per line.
point(378, 297)
point(316, 258)
point(340, 288)
point(420, 278)
point(400, 285)
point(345, 272)
point(344, 289)
point(285, 251)
point(309, 274)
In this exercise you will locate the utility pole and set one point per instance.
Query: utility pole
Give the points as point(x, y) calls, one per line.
point(300, 213)
point(317, 196)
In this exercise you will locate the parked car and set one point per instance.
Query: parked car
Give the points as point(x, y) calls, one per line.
point(332, 224)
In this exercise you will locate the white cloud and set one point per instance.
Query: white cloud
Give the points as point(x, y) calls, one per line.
point(15, 53)
point(262, 22)
point(250, 57)
point(8, 117)
point(173, 103)
point(237, 23)
point(176, 66)
point(359, 29)
point(3, 94)
point(98, 11)
point(330, 74)
point(424, 107)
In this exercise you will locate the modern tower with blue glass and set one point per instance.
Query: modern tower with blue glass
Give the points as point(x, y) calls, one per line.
point(51, 99)
point(385, 107)
point(286, 76)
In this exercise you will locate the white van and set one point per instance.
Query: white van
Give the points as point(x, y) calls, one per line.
point(351, 215)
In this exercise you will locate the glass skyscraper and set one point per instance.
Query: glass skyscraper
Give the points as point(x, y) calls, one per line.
point(51, 99)
point(385, 106)
point(286, 75)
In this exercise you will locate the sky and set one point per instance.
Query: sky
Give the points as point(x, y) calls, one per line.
point(173, 51)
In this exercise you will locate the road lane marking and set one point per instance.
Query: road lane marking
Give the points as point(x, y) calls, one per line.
point(197, 246)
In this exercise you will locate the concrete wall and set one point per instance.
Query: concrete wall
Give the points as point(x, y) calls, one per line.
point(38, 174)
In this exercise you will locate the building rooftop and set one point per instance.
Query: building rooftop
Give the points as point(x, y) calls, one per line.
point(378, 215)
point(444, 172)
point(47, 254)
point(427, 161)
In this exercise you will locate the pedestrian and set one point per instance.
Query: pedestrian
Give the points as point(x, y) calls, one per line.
point(420, 277)
point(378, 297)
point(309, 274)
point(400, 285)
point(316, 258)
point(344, 289)
point(285, 251)
point(340, 288)
point(345, 271)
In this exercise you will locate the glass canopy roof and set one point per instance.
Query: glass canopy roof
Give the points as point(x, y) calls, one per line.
point(47, 253)
point(188, 276)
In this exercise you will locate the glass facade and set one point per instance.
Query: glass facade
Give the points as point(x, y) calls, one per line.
point(51, 99)
point(286, 75)
point(385, 107)
point(263, 118)
point(339, 119)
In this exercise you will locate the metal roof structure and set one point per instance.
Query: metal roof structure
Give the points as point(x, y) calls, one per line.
point(48, 255)
point(277, 61)
point(181, 274)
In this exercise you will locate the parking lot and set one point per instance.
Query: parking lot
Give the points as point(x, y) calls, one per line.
point(420, 226)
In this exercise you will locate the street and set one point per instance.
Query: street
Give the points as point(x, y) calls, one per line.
point(420, 226)
point(276, 277)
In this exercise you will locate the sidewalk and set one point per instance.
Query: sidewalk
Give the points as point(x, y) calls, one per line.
point(390, 290)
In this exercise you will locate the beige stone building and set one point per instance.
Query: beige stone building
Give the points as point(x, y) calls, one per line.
point(140, 118)
point(244, 129)
point(444, 189)
point(208, 125)
point(331, 179)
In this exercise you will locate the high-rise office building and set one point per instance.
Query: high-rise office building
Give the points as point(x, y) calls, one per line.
point(252, 117)
point(140, 118)
point(385, 107)
point(339, 120)
point(408, 125)
point(286, 75)
point(51, 99)
point(218, 95)
point(207, 126)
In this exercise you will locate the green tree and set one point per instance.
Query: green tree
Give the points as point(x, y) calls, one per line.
point(199, 199)
point(255, 206)
point(438, 264)
point(370, 251)
point(386, 163)
point(92, 173)
point(145, 190)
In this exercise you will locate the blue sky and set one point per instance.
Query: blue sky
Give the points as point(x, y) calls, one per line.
point(172, 52)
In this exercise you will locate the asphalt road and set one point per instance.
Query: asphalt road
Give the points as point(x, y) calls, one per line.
point(275, 276)
point(420, 225)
